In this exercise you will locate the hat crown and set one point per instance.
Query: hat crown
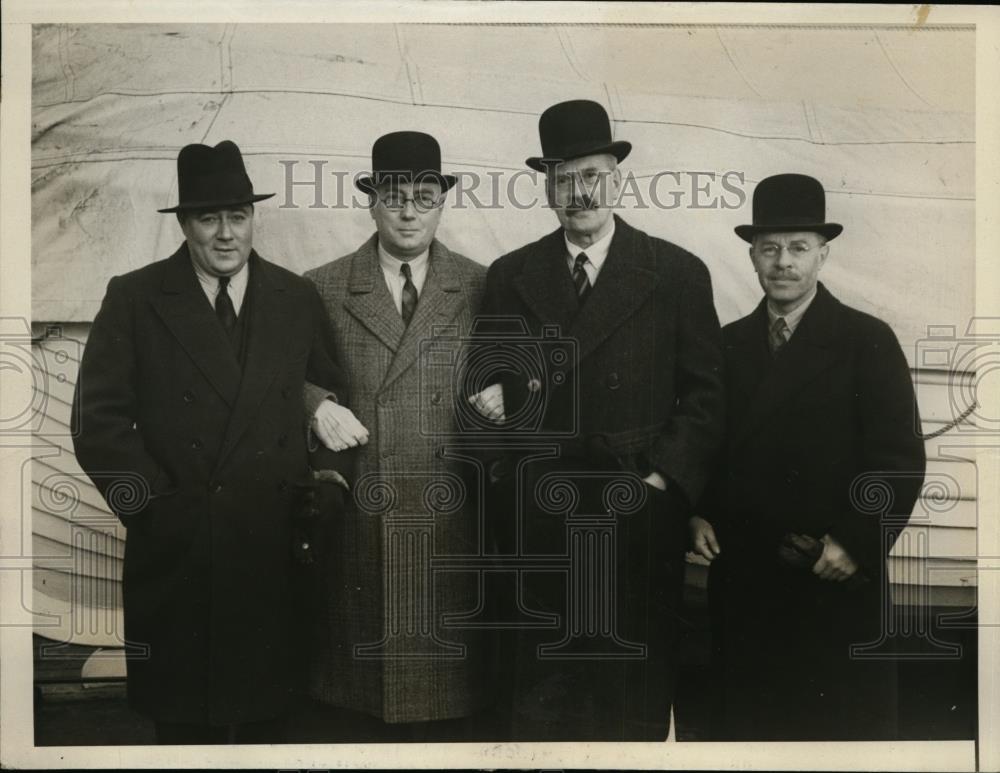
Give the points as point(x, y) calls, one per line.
point(406, 153)
point(576, 122)
point(575, 128)
point(213, 177)
point(789, 199)
point(789, 202)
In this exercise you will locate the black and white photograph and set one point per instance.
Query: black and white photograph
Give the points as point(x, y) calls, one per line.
point(500, 385)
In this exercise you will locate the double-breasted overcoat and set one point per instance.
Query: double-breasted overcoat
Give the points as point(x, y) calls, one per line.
point(386, 645)
point(202, 458)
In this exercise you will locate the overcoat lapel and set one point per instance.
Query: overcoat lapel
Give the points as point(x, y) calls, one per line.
point(810, 352)
point(189, 316)
point(369, 300)
point(266, 348)
point(440, 300)
point(546, 285)
point(626, 280)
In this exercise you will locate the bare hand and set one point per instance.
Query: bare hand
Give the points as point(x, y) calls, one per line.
point(703, 538)
point(338, 427)
point(489, 403)
point(836, 563)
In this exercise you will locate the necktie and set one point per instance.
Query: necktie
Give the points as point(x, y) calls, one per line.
point(779, 335)
point(409, 294)
point(580, 278)
point(224, 309)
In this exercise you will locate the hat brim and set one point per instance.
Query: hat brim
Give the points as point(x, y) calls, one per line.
point(189, 205)
point(826, 230)
point(446, 181)
point(619, 150)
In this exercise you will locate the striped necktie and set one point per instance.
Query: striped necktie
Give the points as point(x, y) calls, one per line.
point(779, 335)
point(580, 279)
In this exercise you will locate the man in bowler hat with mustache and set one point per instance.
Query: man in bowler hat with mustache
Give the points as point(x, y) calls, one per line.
point(638, 406)
point(822, 415)
point(190, 401)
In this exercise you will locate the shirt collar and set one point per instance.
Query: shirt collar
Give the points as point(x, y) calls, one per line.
point(237, 282)
point(792, 318)
point(596, 252)
point(392, 264)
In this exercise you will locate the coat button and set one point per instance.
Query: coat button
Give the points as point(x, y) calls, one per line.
point(558, 377)
point(534, 385)
point(197, 445)
point(188, 396)
point(283, 440)
point(217, 488)
point(384, 400)
point(435, 398)
point(387, 454)
point(283, 485)
point(613, 381)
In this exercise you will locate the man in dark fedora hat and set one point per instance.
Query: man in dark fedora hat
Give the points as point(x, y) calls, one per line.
point(822, 420)
point(190, 421)
point(634, 404)
point(385, 665)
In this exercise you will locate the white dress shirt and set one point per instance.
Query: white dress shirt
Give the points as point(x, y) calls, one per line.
point(792, 318)
point(597, 253)
point(394, 279)
point(237, 285)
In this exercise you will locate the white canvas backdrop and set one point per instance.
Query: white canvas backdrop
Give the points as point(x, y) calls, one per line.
point(884, 117)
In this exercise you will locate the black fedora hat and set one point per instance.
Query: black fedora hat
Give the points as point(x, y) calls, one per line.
point(213, 177)
point(405, 157)
point(789, 202)
point(574, 129)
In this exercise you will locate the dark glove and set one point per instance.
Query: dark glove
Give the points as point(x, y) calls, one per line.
point(802, 552)
point(320, 500)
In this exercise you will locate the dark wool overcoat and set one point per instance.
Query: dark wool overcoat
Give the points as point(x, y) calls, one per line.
point(824, 439)
point(163, 406)
point(601, 395)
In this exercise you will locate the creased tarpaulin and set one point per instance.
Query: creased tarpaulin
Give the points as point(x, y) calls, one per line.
point(885, 118)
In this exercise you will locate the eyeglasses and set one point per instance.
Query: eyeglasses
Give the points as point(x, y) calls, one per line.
point(797, 249)
point(424, 201)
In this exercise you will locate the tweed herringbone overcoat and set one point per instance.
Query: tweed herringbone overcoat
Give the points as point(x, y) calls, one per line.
point(386, 645)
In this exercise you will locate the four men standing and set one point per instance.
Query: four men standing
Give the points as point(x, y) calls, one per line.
point(643, 395)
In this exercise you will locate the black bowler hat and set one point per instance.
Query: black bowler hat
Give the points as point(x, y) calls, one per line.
point(213, 177)
point(405, 157)
point(789, 202)
point(573, 129)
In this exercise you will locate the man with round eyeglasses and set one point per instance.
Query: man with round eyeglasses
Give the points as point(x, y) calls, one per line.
point(822, 424)
point(384, 666)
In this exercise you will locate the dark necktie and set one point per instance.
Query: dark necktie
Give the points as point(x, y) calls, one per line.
point(224, 309)
point(409, 294)
point(779, 335)
point(580, 278)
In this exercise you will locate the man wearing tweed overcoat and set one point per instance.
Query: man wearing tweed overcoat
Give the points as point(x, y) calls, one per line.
point(386, 665)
